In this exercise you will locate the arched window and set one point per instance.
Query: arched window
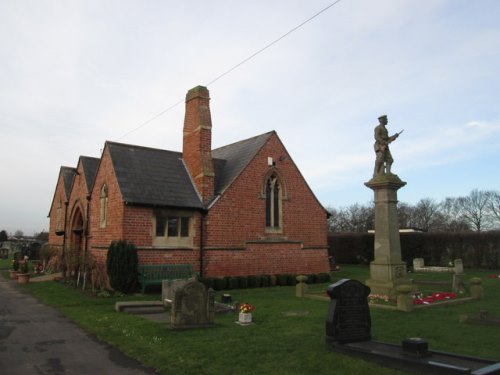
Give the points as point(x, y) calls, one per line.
point(104, 206)
point(273, 202)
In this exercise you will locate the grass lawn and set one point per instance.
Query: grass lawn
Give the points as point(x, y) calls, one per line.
point(276, 343)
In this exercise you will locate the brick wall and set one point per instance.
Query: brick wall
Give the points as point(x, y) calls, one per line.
point(59, 196)
point(237, 242)
point(269, 258)
point(102, 237)
point(77, 209)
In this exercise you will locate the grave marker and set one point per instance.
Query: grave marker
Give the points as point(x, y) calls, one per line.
point(348, 318)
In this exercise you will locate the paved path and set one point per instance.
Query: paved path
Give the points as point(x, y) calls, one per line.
point(36, 339)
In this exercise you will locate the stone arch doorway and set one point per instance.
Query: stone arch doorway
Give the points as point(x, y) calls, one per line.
point(76, 230)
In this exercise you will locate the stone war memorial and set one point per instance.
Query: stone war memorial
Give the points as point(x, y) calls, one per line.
point(387, 270)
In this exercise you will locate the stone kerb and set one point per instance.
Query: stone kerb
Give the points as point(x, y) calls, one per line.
point(419, 266)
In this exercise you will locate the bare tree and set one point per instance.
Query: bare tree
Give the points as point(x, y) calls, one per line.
point(405, 215)
point(474, 209)
point(354, 218)
point(427, 215)
point(495, 207)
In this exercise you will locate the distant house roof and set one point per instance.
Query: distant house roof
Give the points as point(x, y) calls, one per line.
point(148, 176)
point(89, 165)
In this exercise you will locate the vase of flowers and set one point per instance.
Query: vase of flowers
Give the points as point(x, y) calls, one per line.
point(245, 316)
point(15, 269)
point(23, 275)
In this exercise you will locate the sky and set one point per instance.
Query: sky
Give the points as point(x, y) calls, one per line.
point(75, 73)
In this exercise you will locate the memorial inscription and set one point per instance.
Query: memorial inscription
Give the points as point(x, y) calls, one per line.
point(348, 318)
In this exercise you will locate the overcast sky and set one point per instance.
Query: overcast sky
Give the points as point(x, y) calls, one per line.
point(74, 74)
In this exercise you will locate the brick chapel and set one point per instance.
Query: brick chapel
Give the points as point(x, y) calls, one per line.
point(242, 209)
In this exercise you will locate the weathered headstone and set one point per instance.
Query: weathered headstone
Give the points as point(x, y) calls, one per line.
point(193, 306)
point(168, 288)
point(418, 263)
point(348, 318)
point(458, 266)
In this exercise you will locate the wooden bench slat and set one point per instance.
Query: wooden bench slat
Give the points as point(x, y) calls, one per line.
point(155, 274)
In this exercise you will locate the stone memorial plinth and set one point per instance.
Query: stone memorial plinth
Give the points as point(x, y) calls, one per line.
point(387, 270)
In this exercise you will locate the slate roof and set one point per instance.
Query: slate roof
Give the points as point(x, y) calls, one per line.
point(89, 165)
point(230, 160)
point(68, 174)
point(155, 177)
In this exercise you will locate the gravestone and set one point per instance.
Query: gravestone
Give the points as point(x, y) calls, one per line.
point(193, 306)
point(458, 266)
point(168, 288)
point(348, 318)
point(418, 263)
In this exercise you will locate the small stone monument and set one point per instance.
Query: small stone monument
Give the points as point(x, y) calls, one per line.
point(348, 318)
point(193, 306)
point(387, 270)
point(301, 286)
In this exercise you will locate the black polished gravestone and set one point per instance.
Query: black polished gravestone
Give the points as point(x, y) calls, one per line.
point(348, 318)
point(348, 326)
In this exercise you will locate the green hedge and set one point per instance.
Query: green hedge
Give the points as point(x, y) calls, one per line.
point(260, 281)
point(476, 249)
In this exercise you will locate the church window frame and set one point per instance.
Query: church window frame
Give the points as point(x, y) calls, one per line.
point(103, 209)
point(274, 193)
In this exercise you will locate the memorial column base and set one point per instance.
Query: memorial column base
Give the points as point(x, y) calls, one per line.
point(385, 277)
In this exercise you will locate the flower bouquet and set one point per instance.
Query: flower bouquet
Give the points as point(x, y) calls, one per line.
point(434, 297)
point(246, 308)
point(245, 316)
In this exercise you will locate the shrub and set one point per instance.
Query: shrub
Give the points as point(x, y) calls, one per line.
point(233, 282)
point(242, 282)
point(272, 280)
point(47, 253)
point(253, 281)
point(311, 278)
point(228, 284)
point(121, 265)
point(220, 283)
point(209, 282)
point(265, 281)
point(291, 280)
point(323, 277)
point(281, 279)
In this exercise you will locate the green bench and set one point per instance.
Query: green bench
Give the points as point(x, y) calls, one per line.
point(155, 274)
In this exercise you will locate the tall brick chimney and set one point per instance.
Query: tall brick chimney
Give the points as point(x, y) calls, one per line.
point(197, 141)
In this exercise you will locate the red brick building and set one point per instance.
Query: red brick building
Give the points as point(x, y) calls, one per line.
point(242, 209)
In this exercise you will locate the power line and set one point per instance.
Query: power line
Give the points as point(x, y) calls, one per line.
point(235, 66)
point(272, 43)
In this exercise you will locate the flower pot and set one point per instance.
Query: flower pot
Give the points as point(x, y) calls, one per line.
point(23, 278)
point(245, 318)
point(13, 274)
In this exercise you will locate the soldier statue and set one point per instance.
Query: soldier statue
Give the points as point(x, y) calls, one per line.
point(384, 158)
